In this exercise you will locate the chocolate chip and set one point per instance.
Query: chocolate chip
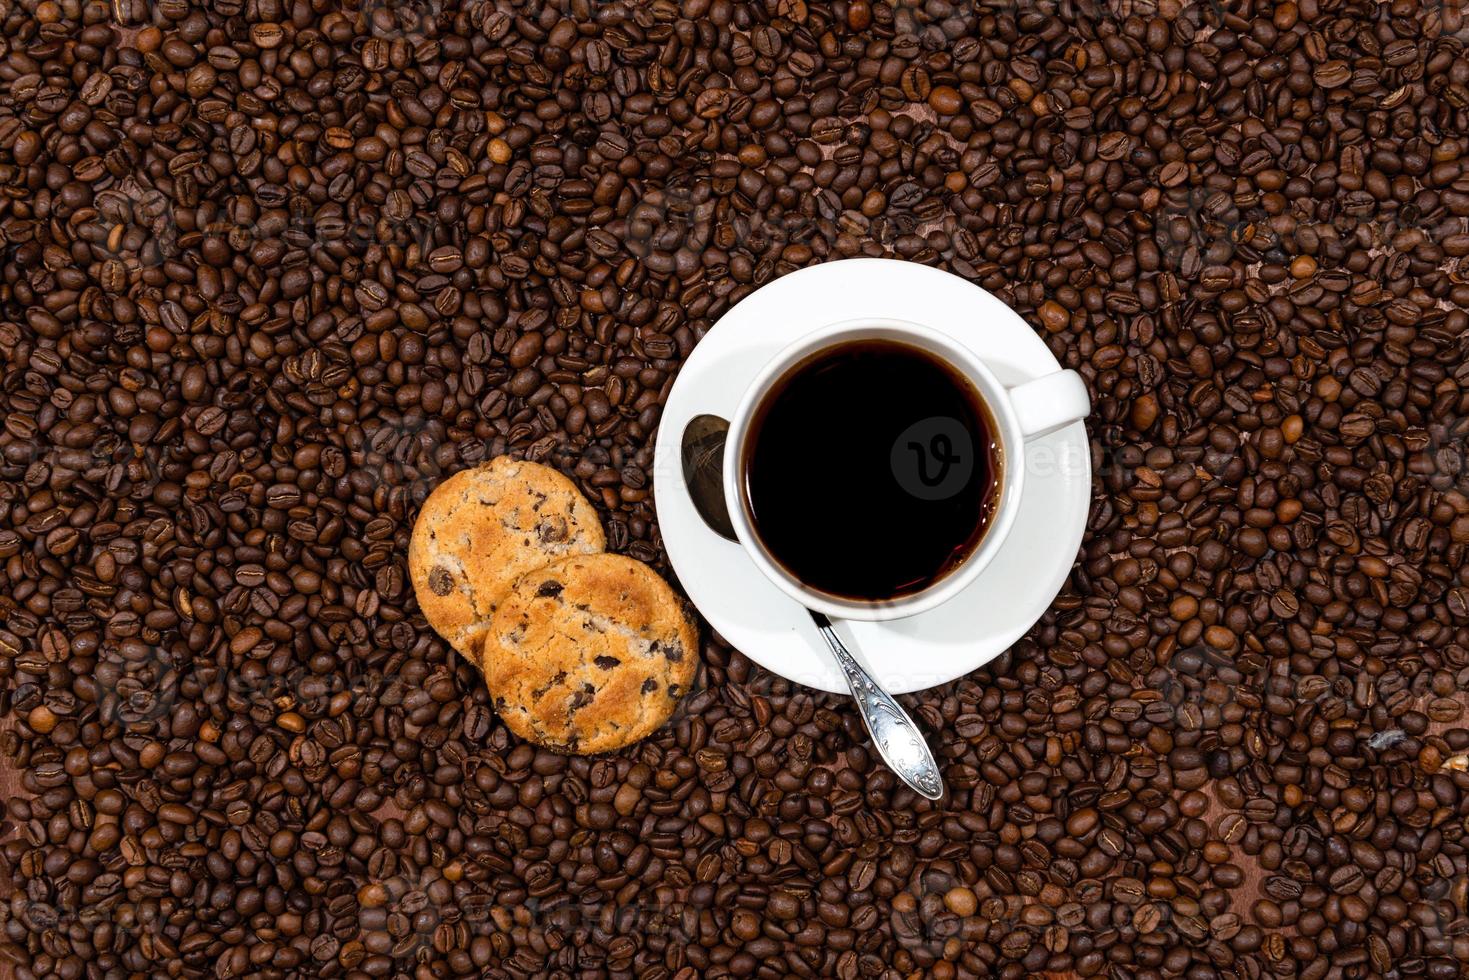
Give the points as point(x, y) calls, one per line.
point(540, 692)
point(553, 529)
point(440, 581)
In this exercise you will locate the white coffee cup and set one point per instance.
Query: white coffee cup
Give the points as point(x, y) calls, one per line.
point(1022, 413)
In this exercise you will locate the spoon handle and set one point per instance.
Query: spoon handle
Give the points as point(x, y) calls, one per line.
point(898, 739)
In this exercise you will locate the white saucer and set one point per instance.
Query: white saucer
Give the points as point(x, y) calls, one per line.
point(906, 654)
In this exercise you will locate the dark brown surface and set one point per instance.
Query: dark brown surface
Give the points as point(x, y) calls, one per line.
point(9, 788)
point(271, 270)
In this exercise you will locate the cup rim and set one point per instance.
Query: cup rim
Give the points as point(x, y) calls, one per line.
point(960, 357)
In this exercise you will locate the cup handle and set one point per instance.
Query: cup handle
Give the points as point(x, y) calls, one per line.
point(1053, 402)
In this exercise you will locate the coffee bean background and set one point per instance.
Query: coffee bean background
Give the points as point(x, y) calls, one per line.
point(272, 268)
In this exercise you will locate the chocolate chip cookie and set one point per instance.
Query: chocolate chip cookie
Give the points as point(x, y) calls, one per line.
point(483, 528)
point(589, 653)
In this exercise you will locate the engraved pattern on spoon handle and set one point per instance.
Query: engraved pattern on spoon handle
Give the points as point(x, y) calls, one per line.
point(897, 737)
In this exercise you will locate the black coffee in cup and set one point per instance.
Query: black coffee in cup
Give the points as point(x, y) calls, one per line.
point(871, 470)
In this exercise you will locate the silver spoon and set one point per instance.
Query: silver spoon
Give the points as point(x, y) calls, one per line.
point(895, 734)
